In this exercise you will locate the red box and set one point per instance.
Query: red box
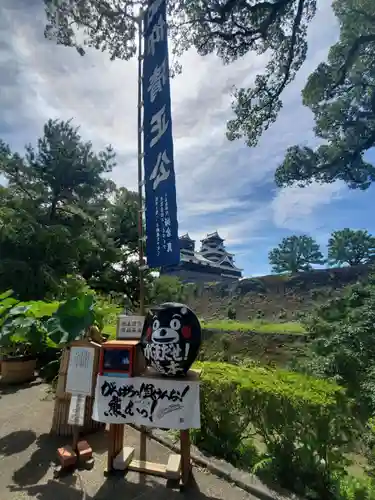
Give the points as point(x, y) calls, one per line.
point(121, 358)
point(84, 450)
point(66, 456)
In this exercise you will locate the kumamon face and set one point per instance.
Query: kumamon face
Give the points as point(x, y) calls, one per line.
point(169, 330)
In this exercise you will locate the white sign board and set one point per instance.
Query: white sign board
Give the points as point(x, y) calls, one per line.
point(129, 327)
point(152, 402)
point(80, 370)
point(77, 410)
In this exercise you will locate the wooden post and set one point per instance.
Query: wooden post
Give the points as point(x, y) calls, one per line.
point(116, 443)
point(75, 437)
point(185, 456)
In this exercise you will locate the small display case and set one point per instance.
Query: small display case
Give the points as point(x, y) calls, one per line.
point(121, 358)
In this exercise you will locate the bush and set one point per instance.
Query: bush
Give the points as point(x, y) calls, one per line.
point(343, 346)
point(231, 313)
point(303, 422)
point(282, 314)
point(350, 488)
point(167, 289)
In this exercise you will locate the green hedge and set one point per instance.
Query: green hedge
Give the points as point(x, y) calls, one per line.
point(304, 424)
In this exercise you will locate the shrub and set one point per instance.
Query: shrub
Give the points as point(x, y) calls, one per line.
point(369, 442)
point(282, 314)
point(343, 346)
point(303, 422)
point(350, 488)
point(231, 313)
point(167, 289)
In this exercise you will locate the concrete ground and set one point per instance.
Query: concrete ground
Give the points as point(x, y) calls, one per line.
point(28, 451)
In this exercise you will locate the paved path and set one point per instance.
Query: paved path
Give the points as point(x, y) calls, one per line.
point(27, 452)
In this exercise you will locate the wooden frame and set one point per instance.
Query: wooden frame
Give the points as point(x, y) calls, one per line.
point(121, 458)
point(60, 424)
point(178, 466)
point(128, 348)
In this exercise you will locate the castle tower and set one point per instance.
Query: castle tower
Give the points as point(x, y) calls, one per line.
point(213, 249)
point(212, 263)
point(187, 245)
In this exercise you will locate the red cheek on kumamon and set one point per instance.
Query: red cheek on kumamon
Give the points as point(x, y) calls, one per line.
point(186, 332)
point(148, 333)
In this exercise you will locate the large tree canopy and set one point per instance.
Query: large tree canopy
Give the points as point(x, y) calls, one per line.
point(228, 28)
point(341, 94)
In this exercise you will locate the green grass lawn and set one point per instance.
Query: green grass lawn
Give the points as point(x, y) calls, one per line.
point(227, 325)
point(254, 326)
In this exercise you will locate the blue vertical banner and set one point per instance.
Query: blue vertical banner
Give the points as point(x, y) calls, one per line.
point(162, 243)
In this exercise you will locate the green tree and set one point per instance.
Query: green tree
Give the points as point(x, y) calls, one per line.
point(351, 247)
point(295, 254)
point(56, 218)
point(167, 289)
point(341, 94)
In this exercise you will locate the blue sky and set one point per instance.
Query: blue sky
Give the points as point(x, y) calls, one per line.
point(221, 186)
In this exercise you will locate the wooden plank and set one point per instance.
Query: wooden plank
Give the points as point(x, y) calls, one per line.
point(123, 459)
point(173, 470)
point(148, 467)
point(60, 389)
point(64, 362)
point(115, 443)
point(185, 455)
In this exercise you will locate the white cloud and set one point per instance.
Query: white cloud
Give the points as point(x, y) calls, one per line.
point(296, 208)
point(236, 229)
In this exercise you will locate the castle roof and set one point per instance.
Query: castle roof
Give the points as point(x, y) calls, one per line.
point(198, 258)
point(213, 236)
point(186, 237)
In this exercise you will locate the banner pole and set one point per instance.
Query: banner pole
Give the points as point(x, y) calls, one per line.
point(142, 267)
point(140, 172)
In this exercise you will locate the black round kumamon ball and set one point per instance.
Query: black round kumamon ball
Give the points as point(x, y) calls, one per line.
point(171, 338)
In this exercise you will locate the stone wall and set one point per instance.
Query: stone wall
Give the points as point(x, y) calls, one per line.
point(332, 278)
point(266, 348)
point(198, 277)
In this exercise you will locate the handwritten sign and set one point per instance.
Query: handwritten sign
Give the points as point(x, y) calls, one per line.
point(80, 370)
point(77, 410)
point(152, 402)
point(129, 327)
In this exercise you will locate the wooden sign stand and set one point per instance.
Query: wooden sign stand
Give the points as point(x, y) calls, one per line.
point(120, 458)
point(79, 452)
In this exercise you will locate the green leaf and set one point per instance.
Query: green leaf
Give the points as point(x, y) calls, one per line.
point(74, 317)
point(6, 294)
point(76, 307)
point(15, 311)
point(55, 332)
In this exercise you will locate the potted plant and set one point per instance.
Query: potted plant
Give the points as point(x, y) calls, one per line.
point(22, 338)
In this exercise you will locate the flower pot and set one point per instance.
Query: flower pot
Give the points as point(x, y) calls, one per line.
point(17, 370)
point(171, 338)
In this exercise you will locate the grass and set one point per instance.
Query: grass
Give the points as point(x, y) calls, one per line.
point(111, 331)
point(227, 325)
